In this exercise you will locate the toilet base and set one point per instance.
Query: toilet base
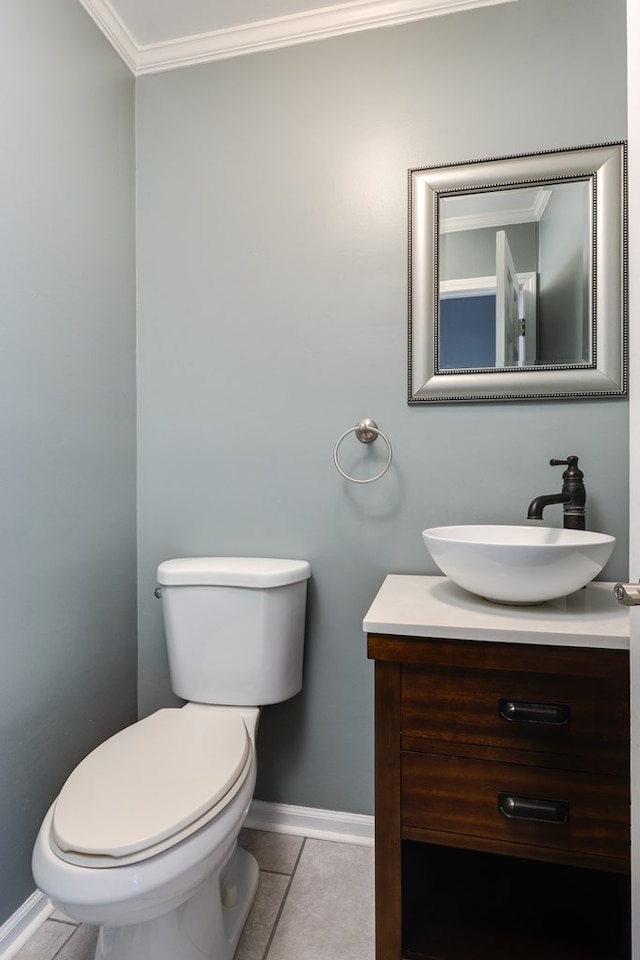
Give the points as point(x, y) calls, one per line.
point(206, 927)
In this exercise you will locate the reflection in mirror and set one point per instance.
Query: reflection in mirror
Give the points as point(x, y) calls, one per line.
point(514, 277)
point(524, 294)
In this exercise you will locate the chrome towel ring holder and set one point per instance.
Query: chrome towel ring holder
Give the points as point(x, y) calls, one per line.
point(366, 431)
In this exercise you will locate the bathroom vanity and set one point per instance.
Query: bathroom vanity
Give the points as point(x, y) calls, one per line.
point(502, 774)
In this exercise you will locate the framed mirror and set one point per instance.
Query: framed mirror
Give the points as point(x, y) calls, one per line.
point(518, 276)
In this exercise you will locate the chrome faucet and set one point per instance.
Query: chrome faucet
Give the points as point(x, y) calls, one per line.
point(573, 496)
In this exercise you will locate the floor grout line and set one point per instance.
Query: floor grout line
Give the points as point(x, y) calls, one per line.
point(62, 946)
point(274, 928)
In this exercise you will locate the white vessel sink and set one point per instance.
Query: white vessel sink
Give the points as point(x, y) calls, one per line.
point(518, 564)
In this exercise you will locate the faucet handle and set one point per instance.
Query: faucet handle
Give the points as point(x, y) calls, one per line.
point(571, 463)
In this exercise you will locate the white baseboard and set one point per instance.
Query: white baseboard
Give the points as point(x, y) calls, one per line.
point(272, 817)
point(309, 822)
point(22, 925)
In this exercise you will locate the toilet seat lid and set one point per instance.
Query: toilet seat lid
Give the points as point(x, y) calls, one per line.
point(150, 781)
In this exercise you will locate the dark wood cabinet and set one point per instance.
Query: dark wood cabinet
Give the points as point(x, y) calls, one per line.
point(502, 800)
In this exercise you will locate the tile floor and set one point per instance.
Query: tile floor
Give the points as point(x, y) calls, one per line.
point(314, 902)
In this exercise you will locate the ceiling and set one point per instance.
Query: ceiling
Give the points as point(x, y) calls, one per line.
point(156, 35)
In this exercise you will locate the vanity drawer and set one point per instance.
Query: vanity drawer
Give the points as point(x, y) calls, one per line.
point(462, 796)
point(579, 718)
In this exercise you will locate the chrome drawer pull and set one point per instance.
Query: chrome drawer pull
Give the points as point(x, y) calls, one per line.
point(532, 808)
point(520, 711)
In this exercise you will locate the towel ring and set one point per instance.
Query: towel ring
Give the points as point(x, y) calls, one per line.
point(366, 431)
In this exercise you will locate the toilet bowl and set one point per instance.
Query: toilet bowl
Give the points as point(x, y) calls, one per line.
point(142, 839)
point(114, 887)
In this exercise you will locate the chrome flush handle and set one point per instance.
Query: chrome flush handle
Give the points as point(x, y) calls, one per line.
point(628, 594)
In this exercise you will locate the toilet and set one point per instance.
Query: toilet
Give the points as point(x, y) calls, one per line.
point(142, 839)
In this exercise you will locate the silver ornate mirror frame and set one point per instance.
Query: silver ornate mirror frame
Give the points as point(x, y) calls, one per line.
point(603, 166)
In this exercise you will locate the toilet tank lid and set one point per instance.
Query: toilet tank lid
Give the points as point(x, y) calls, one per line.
point(257, 572)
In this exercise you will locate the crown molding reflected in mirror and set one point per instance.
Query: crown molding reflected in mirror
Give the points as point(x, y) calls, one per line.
point(518, 277)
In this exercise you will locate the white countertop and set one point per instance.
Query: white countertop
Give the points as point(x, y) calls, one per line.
point(418, 606)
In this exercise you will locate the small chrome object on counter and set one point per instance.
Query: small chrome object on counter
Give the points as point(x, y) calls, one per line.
point(627, 594)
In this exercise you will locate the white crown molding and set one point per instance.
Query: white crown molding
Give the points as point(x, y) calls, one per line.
point(114, 30)
point(531, 213)
point(263, 35)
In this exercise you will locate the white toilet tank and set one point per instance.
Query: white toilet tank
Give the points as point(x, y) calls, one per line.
point(234, 627)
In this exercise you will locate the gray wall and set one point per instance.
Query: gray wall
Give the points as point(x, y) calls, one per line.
point(272, 229)
point(565, 306)
point(472, 253)
point(67, 411)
